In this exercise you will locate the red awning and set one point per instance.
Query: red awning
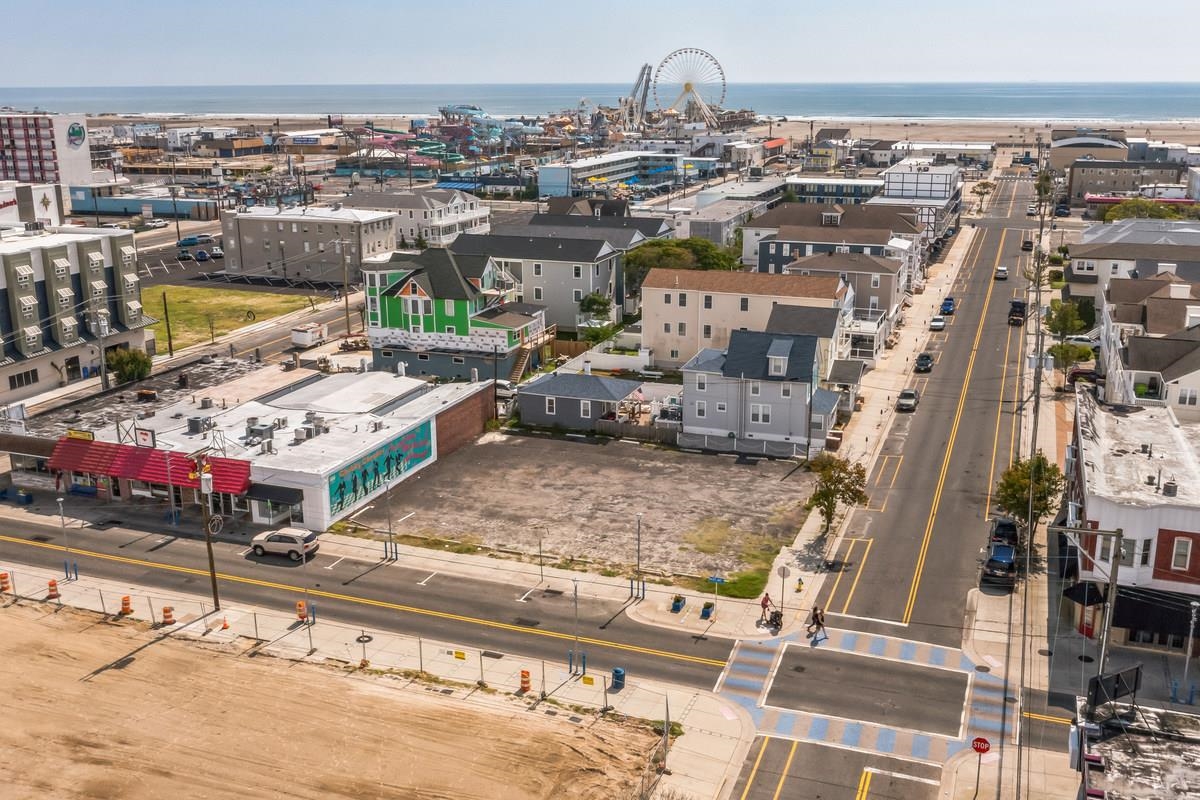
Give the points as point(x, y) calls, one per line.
point(230, 475)
point(770, 144)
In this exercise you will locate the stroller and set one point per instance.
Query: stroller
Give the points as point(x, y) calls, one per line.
point(775, 620)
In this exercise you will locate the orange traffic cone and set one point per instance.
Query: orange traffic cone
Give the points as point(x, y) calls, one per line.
point(224, 623)
point(52, 593)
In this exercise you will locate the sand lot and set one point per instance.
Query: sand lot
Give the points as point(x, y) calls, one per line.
point(700, 513)
point(94, 709)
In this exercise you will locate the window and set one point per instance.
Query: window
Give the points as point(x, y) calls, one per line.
point(385, 353)
point(708, 331)
point(666, 327)
point(682, 299)
point(755, 388)
point(585, 409)
point(874, 281)
point(760, 414)
point(682, 328)
point(785, 390)
point(596, 270)
point(1128, 547)
point(550, 406)
point(22, 379)
point(674, 355)
point(701, 383)
point(1146, 544)
point(448, 307)
point(412, 288)
point(427, 307)
point(537, 293)
point(708, 301)
point(577, 295)
point(667, 298)
point(1105, 550)
point(720, 408)
point(537, 270)
point(422, 356)
point(745, 304)
point(1187, 397)
point(701, 409)
point(777, 365)
point(1181, 553)
point(577, 271)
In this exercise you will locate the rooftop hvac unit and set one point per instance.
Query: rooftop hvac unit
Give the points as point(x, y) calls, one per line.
point(281, 422)
point(262, 431)
point(251, 422)
point(1170, 489)
point(206, 402)
point(267, 448)
point(302, 434)
point(197, 424)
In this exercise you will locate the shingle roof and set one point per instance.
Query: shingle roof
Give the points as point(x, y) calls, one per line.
point(756, 283)
point(707, 360)
point(437, 271)
point(748, 352)
point(820, 322)
point(1125, 251)
point(533, 247)
point(510, 315)
point(581, 387)
point(839, 234)
point(650, 227)
point(848, 371)
point(847, 262)
point(824, 402)
point(1173, 357)
point(858, 216)
point(416, 199)
point(586, 206)
point(620, 238)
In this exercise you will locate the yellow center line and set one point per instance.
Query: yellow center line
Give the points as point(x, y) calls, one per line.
point(987, 503)
point(864, 786)
point(1047, 718)
point(366, 601)
point(858, 571)
point(786, 768)
point(754, 769)
point(941, 482)
point(837, 582)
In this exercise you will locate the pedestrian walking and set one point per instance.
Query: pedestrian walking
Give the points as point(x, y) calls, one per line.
point(819, 623)
point(766, 607)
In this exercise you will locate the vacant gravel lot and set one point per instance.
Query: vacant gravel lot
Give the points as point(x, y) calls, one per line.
point(700, 514)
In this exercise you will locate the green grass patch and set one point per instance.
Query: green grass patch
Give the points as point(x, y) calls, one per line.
point(710, 536)
point(192, 308)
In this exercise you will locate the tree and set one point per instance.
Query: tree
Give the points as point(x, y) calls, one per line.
point(420, 243)
point(1064, 320)
point(983, 189)
point(595, 304)
point(129, 365)
point(1140, 208)
point(788, 196)
point(595, 334)
point(838, 481)
point(1013, 489)
point(693, 253)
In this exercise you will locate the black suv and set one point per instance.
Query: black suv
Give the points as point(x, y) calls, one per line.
point(1001, 564)
point(1005, 531)
point(924, 363)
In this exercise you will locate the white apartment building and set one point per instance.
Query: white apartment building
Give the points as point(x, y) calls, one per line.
point(436, 215)
point(307, 244)
point(45, 148)
point(933, 191)
point(685, 311)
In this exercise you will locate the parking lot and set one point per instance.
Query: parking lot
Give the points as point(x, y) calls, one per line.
point(701, 514)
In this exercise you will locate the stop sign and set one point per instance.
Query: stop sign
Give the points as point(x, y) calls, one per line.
point(980, 745)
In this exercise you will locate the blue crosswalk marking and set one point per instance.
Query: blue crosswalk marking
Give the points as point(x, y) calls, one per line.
point(852, 734)
point(908, 651)
point(920, 746)
point(878, 645)
point(937, 657)
point(819, 728)
point(885, 740)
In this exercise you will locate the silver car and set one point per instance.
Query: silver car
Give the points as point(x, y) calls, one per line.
point(908, 400)
point(295, 543)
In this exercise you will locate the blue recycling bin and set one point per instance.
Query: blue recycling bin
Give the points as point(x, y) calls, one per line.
point(618, 679)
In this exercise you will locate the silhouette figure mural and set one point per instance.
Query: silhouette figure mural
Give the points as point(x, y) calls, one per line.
point(388, 463)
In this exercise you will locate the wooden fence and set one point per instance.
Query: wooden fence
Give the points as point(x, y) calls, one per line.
point(643, 433)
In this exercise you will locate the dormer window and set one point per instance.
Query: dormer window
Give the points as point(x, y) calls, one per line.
point(832, 218)
point(778, 366)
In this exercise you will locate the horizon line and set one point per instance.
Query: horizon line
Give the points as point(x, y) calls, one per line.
point(621, 83)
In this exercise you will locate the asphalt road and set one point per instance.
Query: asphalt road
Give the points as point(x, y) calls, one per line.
point(780, 768)
point(386, 597)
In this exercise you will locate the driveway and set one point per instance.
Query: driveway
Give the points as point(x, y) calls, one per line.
point(701, 514)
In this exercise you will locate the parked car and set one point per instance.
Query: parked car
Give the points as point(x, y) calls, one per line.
point(1000, 565)
point(202, 255)
point(1031, 211)
point(184, 255)
point(908, 400)
point(924, 363)
point(113, 226)
point(1027, 243)
point(187, 241)
point(948, 306)
point(505, 389)
point(1082, 374)
point(937, 324)
point(295, 543)
point(1001, 273)
point(1062, 211)
point(205, 238)
point(1005, 531)
point(216, 252)
point(156, 223)
point(1082, 341)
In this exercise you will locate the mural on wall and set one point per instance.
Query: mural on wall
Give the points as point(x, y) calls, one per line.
point(387, 463)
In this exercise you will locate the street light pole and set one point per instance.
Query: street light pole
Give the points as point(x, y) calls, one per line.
point(639, 548)
point(1191, 630)
point(575, 581)
point(67, 553)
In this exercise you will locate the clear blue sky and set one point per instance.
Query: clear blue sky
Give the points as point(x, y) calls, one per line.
point(169, 42)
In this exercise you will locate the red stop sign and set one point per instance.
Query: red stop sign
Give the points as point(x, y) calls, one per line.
point(980, 745)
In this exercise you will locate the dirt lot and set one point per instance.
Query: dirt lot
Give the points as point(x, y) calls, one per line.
point(700, 513)
point(94, 709)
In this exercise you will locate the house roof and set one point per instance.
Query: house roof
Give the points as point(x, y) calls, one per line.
point(707, 360)
point(839, 234)
point(848, 371)
point(819, 322)
point(650, 227)
point(510, 315)
point(581, 387)
point(832, 133)
point(544, 248)
point(824, 402)
point(856, 216)
point(749, 354)
point(586, 206)
point(437, 271)
point(415, 199)
point(1174, 357)
point(1130, 251)
point(1108, 164)
point(1145, 231)
point(847, 262)
point(620, 238)
point(826, 287)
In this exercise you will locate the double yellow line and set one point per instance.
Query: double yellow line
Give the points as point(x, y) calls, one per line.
point(366, 601)
point(864, 786)
point(962, 400)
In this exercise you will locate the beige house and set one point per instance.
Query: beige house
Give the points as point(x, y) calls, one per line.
point(684, 311)
point(1093, 176)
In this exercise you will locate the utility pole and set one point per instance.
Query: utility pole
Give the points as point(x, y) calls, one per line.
point(1191, 630)
point(174, 201)
point(345, 282)
point(100, 320)
point(639, 549)
point(167, 319)
point(206, 493)
point(1110, 597)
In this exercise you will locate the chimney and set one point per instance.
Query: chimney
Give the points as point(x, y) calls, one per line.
point(474, 375)
point(401, 368)
point(1179, 291)
point(587, 367)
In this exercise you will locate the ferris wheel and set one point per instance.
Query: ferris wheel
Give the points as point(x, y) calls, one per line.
point(691, 82)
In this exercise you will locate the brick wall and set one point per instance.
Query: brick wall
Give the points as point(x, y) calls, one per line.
point(1164, 553)
point(461, 424)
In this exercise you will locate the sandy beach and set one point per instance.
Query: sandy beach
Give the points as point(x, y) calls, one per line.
point(940, 130)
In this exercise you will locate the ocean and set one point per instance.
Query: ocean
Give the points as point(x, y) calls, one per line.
point(1142, 102)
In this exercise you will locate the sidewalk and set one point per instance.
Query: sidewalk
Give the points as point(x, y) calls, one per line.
point(702, 763)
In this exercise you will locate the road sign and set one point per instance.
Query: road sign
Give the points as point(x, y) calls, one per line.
point(980, 745)
point(715, 579)
point(215, 523)
point(783, 571)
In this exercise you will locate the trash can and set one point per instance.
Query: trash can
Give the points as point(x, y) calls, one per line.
point(618, 679)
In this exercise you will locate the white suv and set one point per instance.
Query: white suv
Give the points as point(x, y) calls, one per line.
point(295, 543)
